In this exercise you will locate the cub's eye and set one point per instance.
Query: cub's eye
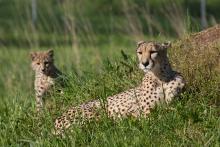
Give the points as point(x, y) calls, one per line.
point(38, 63)
point(46, 63)
point(139, 53)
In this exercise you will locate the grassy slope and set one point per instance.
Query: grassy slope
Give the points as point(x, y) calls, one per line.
point(191, 119)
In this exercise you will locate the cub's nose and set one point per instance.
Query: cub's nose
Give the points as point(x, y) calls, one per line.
point(145, 63)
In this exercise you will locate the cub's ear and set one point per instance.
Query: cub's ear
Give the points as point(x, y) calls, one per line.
point(139, 43)
point(33, 55)
point(50, 53)
point(166, 45)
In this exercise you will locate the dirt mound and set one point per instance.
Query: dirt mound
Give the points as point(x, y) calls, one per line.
point(206, 37)
point(198, 54)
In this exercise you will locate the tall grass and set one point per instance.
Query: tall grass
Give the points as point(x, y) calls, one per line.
point(191, 119)
point(96, 50)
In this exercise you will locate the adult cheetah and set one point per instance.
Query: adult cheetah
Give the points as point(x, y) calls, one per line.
point(46, 74)
point(160, 83)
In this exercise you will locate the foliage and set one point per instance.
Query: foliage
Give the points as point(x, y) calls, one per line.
point(94, 43)
point(191, 119)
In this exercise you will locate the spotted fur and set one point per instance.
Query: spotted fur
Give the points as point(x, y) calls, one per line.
point(160, 83)
point(45, 74)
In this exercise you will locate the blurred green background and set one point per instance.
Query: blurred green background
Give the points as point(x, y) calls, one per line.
point(98, 21)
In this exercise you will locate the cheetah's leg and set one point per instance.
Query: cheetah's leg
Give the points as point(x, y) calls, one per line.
point(77, 114)
point(173, 88)
point(61, 123)
point(145, 113)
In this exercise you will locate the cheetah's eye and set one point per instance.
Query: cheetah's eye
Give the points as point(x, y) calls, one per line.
point(38, 63)
point(151, 52)
point(46, 63)
point(139, 53)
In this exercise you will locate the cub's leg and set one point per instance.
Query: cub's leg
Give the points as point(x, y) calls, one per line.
point(39, 94)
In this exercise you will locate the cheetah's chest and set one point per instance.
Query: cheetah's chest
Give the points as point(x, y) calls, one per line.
point(44, 82)
point(150, 96)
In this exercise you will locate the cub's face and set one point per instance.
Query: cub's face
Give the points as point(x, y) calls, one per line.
point(42, 61)
point(149, 54)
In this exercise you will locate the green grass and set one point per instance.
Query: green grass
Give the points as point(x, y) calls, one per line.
point(192, 119)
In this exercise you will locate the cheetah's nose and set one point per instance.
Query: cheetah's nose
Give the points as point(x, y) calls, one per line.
point(145, 63)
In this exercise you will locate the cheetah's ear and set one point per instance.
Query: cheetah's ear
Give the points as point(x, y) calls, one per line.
point(139, 43)
point(33, 55)
point(166, 45)
point(50, 53)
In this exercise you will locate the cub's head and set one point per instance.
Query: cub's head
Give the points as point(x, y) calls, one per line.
point(42, 61)
point(151, 54)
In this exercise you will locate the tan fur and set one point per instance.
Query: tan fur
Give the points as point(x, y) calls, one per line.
point(160, 83)
point(45, 74)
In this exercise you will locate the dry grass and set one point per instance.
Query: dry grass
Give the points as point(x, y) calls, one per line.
point(197, 57)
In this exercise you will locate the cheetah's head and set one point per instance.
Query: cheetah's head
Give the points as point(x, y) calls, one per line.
point(42, 61)
point(150, 53)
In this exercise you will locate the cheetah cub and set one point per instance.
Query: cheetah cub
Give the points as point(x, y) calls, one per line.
point(160, 83)
point(46, 74)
